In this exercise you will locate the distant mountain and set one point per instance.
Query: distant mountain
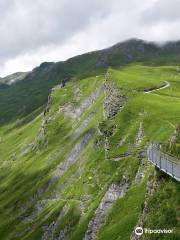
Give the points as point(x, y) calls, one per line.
point(22, 97)
point(10, 79)
point(135, 50)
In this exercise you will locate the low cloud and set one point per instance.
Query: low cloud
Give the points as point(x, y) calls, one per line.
point(161, 11)
point(53, 30)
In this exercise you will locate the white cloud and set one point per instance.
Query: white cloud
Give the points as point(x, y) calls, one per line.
point(53, 30)
point(162, 11)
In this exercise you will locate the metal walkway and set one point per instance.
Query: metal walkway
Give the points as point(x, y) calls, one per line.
point(163, 161)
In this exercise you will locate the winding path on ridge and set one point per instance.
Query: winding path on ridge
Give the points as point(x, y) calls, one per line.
point(166, 85)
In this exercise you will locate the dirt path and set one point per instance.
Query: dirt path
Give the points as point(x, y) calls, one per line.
point(167, 84)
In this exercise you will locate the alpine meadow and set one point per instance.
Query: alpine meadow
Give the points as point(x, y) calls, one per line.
point(74, 139)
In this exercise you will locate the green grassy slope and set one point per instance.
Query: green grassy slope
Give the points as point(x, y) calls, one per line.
point(45, 190)
point(23, 97)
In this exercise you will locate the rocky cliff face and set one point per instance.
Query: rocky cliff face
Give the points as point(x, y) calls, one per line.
point(114, 100)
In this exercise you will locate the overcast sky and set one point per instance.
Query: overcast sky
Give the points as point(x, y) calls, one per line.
point(52, 30)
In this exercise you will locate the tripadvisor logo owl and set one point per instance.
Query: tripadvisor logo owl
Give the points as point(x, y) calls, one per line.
point(139, 231)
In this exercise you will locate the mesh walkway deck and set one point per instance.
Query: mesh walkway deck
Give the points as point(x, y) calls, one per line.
point(163, 161)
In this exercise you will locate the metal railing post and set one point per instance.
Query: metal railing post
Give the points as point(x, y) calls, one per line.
point(160, 160)
point(172, 170)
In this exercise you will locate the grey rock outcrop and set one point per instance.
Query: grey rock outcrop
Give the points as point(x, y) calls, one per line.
point(49, 230)
point(174, 135)
point(122, 141)
point(77, 94)
point(114, 192)
point(75, 113)
point(62, 167)
point(42, 135)
point(114, 99)
point(84, 124)
point(140, 135)
point(150, 188)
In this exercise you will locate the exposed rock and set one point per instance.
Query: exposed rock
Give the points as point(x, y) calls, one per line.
point(75, 113)
point(13, 157)
point(151, 186)
point(56, 87)
point(175, 135)
point(48, 230)
point(42, 136)
point(38, 207)
point(84, 124)
point(140, 174)
point(63, 235)
point(62, 167)
point(113, 103)
point(140, 135)
point(122, 141)
point(114, 99)
point(77, 93)
point(121, 157)
point(114, 192)
point(55, 155)
point(106, 147)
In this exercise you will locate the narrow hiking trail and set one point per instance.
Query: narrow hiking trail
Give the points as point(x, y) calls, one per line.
point(167, 84)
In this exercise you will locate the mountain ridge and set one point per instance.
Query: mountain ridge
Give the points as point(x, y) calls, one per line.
point(12, 78)
point(37, 84)
point(159, 45)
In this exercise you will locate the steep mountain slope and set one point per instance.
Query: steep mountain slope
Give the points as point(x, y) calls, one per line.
point(15, 99)
point(13, 78)
point(78, 169)
point(10, 79)
point(34, 89)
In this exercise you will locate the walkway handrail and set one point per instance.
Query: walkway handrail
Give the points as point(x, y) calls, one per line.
point(163, 161)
